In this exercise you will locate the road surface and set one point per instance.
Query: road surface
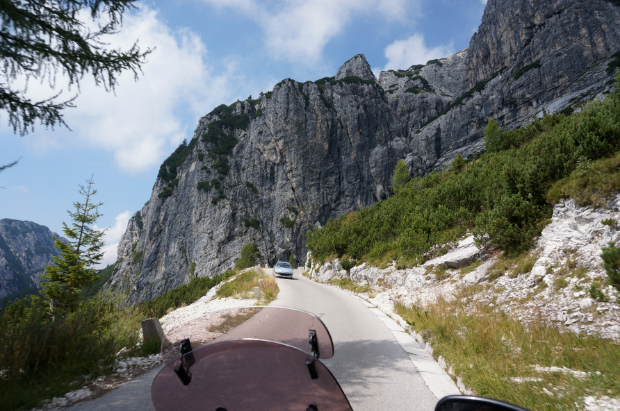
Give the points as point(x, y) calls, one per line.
point(374, 370)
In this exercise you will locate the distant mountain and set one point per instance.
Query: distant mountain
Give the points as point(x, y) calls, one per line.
point(25, 249)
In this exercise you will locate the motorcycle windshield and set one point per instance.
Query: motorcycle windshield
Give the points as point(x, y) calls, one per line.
point(247, 375)
point(280, 324)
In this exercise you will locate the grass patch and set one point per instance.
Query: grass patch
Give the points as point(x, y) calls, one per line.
point(243, 286)
point(487, 349)
point(519, 264)
point(590, 184)
point(471, 267)
point(348, 284)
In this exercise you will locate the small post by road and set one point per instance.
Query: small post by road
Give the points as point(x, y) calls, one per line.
point(151, 329)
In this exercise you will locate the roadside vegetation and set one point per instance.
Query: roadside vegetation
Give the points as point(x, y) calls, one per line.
point(243, 286)
point(504, 196)
point(497, 356)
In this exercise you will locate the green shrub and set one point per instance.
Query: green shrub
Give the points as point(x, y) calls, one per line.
point(615, 63)
point(204, 185)
point(248, 258)
point(590, 185)
point(309, 263)
point(291, 260)
point(293, 210)
point(436, 61)
point(168, 170)
point(347, 264)
point(254, 223)
point(597, 294)
point(138, 220)
point(527, 68)
point(287, 222)
point(611, 263)
point(251, 187)
point(183, 295)
point(401, 176)
point(611, 222)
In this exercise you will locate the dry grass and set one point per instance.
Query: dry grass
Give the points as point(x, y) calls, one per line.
point(488, 349)
point(348, 284)
point(243, 286)
point(515, 265)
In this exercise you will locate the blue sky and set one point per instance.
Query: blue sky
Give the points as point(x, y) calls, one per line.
point(208, 52)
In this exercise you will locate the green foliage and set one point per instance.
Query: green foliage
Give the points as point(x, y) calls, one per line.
point(138, 220)
point(218, 198)
point(104, 275)
point(252, 222)
point(293, 210)
point(400, 177)
point(221, 166)
point(204, 185)
point(44, 357)
point(590, 184)
point(251, 187)
point(291, 260)
point(436, 61)
point(63, 281)
point(597, 294)
point(527, 68)
point(309, 263)
point(611, 222)
point(611, 263)
point(249, 256)
point(39, 38)
point(347, 264)
point(492, 135)
point(201, 156)
point(168, 189)
point(502, 194)
point(287, 222)
point(182, 295)
point(615, 63)
point(168, 169)
point(458, 163)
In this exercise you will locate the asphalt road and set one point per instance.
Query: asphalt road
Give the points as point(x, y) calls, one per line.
point(372, 368)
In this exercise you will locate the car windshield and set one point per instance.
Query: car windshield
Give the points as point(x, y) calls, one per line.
point(283, 265)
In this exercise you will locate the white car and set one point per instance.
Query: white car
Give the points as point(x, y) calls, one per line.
point(283, 269)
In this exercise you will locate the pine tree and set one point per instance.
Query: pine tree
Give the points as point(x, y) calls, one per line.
point(401, 176)
point(39, 37)
point(492, 135)
point(64, 280)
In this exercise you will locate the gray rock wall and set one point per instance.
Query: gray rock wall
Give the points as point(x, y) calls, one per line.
point(313, 152)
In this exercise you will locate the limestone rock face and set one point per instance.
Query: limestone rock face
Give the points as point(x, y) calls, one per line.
point(308, 152)
point(356, 67)
point(25, 249)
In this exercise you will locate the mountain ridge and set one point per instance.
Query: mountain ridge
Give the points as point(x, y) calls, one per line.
point(267, 170)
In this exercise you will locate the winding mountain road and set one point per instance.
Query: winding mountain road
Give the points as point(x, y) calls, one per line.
point(373, 369)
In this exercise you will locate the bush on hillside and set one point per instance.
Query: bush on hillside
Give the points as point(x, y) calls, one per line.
point(249, 257)
point(611, 260)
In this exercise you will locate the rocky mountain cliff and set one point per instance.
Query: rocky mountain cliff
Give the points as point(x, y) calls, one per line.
point(267, 170)
point(25, 249)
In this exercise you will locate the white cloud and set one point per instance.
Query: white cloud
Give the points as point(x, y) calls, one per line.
point(112, 237)
point(298, 30)
point(402, 54)
point(139, 123)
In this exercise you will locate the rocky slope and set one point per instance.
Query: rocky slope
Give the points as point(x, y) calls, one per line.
point(556, 285)
point(267, 170)
point(25, 249)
